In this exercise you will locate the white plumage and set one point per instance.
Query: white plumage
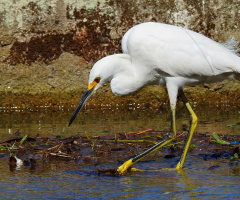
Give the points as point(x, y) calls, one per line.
point(161, 54)
point(155, 53)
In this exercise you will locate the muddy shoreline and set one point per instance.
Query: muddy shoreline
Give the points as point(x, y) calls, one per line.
point(99, 150)
point(227, 92)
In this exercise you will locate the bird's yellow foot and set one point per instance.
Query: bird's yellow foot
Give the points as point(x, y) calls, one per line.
point(133, 169)
point(124, 167)
point(179, 166)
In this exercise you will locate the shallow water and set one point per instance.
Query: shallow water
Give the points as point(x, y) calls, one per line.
point(200, 179)
point(114, 120)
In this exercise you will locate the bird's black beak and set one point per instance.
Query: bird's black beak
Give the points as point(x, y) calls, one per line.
point(81, 103)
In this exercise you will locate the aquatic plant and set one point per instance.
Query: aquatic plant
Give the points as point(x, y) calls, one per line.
point(234, 125)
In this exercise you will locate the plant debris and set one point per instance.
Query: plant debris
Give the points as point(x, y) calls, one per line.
point(95, 150)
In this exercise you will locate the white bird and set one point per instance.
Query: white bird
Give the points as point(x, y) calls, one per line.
point(162, 54)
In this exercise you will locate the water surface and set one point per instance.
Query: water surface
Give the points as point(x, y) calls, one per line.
point(200, 179)
point(114, 120)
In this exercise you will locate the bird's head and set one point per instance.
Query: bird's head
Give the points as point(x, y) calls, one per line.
point(102, 71)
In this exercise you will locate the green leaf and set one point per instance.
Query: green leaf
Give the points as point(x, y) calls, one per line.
point(24, 139)
point(2, 148)
point(192, 145)
point(8, 149)
point(218, 140)
point(234, 157)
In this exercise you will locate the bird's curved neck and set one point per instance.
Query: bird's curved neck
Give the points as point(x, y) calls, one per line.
point(126, 79)
point(120, 64)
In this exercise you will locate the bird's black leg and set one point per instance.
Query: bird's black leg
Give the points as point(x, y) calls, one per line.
point(170, 137)
point(193, 124)
point(126, 165)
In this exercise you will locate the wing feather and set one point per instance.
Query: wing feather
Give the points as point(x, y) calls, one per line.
point(176, 51)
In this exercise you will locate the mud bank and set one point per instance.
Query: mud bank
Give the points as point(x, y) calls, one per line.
point(47, 48)
point(96, 150)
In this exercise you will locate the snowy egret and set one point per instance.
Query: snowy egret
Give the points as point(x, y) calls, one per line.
point(161, 54)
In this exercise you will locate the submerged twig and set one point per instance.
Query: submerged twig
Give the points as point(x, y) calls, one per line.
point(51, 148)
point(124, 141)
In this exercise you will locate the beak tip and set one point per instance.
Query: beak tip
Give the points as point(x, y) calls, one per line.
point(72, 119)
point(85, 97)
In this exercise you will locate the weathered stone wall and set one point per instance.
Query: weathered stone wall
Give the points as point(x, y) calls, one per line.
point(47, 47)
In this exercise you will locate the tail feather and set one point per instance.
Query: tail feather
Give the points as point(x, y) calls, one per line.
point(232, 44)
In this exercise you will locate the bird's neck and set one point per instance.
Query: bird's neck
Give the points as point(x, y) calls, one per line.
point(120, 64)
point(125, 77)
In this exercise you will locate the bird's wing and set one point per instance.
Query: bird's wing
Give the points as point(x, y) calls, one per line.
point(175, 51)
point(125, 41)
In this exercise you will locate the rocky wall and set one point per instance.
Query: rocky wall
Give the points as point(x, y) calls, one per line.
point(47, 47)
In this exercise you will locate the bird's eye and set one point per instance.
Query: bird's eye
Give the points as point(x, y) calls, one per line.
point(97, 80)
